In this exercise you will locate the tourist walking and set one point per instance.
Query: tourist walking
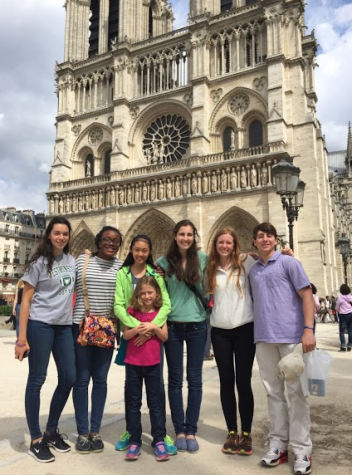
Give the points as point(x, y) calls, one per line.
point(45, 329)
point(344, 309)
point(232, 335)
point(93, 362)
point(184, 268)
point(143, 364)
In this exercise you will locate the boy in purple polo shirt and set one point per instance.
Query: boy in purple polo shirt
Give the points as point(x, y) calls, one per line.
point(283, 317)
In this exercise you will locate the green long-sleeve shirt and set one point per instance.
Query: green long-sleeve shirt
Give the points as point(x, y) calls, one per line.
point(123, 294)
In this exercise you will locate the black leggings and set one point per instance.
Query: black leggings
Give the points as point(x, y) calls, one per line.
point(227, 343)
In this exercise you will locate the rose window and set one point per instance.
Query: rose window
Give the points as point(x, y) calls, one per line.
point(166, 139)
point(239, 104)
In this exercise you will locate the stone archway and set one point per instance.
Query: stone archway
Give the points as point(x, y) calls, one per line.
point(155, 224)
point(82, 239)
point(243, 223)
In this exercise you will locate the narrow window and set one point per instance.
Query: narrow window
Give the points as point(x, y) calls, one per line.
point(94, 27)
point(255, 133)
point(113, 22)
point(107, 162)
point(225, 5)
point(150, 24)
point(227, 139)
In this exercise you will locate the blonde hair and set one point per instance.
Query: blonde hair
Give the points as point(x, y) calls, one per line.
point(20, 284)
point(235, 260)
point(146, 280)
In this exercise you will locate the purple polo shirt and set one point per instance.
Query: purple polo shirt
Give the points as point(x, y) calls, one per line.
point(278, 309)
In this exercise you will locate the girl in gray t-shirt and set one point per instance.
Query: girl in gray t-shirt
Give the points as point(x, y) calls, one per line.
point(45, 328)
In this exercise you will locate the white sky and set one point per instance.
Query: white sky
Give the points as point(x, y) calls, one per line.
point(32, 39)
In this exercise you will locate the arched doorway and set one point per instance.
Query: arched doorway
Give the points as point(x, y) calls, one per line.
point(82, 239)
point(157, 225)
point(243, 223)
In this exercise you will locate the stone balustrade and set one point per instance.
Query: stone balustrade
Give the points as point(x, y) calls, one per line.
point(193, 177)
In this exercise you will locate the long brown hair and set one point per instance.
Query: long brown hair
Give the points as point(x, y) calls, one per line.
point(214, 260)
point(45, 248)
point(189, 275)
point(146, 280)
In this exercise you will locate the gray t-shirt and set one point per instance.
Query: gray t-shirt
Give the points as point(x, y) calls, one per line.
point(52, 299)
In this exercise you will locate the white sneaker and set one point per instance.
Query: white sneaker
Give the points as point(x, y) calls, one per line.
point(302, 464)
point(274, 457)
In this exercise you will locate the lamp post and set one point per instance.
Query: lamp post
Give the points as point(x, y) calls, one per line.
point(344, 244)
point(291, 190)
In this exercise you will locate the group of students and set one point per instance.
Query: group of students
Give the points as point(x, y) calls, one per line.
point(160, 306)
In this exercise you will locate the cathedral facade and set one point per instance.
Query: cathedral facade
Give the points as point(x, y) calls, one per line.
point(156, 125)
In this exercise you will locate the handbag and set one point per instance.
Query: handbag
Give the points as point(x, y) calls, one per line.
point(317, 370)
point(121, 354)
point(94, 329)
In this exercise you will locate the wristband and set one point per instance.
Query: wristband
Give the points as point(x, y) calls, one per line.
point(21, 344)
point(308, 327)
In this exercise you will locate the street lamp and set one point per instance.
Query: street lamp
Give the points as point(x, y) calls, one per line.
point(291, 190)
point(344, 244)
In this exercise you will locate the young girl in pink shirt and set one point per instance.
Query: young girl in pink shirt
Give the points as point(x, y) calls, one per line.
point(143, 363)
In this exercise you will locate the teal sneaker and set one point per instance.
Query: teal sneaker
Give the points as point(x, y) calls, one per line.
point(124, 441)
point(171, 448)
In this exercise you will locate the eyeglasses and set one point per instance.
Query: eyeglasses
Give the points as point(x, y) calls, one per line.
point(116, 242)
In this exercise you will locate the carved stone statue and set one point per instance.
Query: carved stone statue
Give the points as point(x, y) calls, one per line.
point(80, 202)
point(121, 196)
point(205, 183)
point(112, 197)
point(87, 201)
point(264, 176)
point(177, 187)
point(161, 153)
point(94, 200)
point(185, 186)
point(194, 185)
point(223, 181)
point(88, 169)
point(148, 155)
point(101, 199)
point(52, 205)
point(214, 183)
point(253, 176)
point(155, 158)
point(232, 146)
point(74, 203)
point(243, 178)
point(161, 190)
point(137, 194)
point(168, 189)
point(233, 180)
point(144, 192)
point(129, 195)
point(152, 191)
point(61, 205)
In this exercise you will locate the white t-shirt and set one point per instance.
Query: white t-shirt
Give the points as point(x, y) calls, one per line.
point(230, 309)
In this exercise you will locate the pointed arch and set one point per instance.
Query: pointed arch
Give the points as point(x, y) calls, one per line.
point(243, 223)
point(155, 224)
point(82, 238)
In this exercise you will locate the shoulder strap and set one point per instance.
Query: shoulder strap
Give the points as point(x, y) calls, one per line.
point(84, 284)
point(196, 292)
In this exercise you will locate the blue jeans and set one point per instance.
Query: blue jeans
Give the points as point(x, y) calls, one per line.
point(43, 340)
point(194, 334)
point(18, 308)
point(162, 389)
point(91, 362)
point(345, 323)
point(134, 384)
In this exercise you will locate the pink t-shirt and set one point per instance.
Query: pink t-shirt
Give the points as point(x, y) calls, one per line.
point(147, 354)
point(344, 304)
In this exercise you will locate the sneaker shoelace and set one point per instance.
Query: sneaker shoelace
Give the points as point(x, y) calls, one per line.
point(125, 436)
point(62, 436)
point(161, 448)
point(83, 440)
point(169, 440)
point(95, 437)
point(301, 458)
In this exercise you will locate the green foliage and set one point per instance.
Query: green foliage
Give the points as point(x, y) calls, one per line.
point(6, 310)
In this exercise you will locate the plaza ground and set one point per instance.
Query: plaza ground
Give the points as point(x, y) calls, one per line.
point(331, 424)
